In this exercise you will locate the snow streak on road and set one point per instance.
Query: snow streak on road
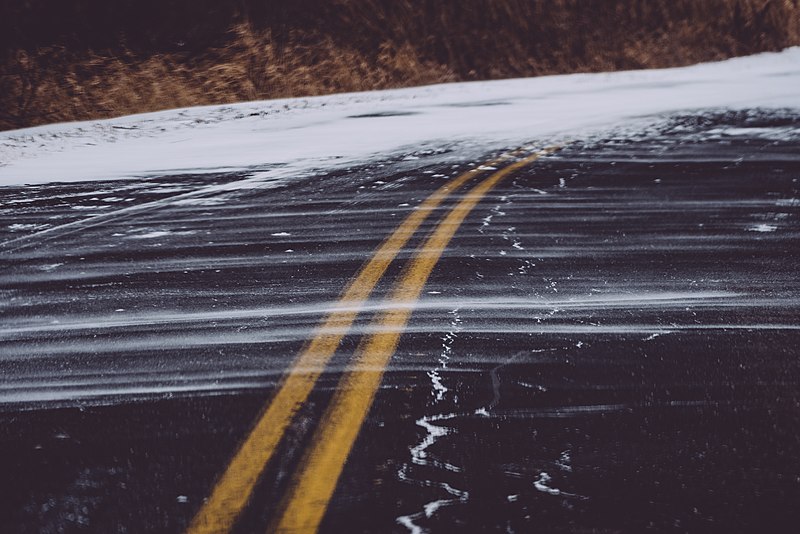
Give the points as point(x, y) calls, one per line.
point(269, 143)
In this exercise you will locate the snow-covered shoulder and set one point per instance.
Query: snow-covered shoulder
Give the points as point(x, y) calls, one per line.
point(277, 139)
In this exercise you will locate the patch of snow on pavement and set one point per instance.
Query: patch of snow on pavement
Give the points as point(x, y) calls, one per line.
point(159, 233)
point(762, 228)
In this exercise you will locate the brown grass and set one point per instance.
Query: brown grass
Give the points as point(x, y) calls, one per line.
point(275, 48)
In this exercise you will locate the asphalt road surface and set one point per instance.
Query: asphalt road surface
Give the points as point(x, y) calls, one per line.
point(597, 337)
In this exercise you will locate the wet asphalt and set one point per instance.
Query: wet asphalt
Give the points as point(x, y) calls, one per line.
point(609, 343)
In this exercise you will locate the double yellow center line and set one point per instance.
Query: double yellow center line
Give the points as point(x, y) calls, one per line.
point(314, 483)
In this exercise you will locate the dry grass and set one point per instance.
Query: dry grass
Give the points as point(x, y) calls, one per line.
point(277, 48)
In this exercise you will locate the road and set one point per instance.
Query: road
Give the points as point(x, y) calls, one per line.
point(600, 336)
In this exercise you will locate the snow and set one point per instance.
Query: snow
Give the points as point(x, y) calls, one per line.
point(273, 141)
point(157, 233)
point(762, 228)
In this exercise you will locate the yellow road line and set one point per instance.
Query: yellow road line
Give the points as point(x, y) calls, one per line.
point(322, 464)
point(234, 487)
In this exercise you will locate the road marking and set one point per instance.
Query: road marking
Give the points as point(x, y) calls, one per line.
point(234, 487)
point(322, 464)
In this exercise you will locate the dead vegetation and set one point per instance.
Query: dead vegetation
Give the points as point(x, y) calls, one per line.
point(91, 58)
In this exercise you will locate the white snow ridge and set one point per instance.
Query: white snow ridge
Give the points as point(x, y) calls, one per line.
point(275, 140)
